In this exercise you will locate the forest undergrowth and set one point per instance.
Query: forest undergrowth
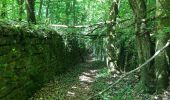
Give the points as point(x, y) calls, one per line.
point(90, 78)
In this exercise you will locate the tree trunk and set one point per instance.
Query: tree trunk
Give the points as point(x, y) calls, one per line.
point(162, 61)
point(143, 43)
point(67, 12)
point(74, 12)
point(40, 9)
point(30, 6)
point(20, 10)
point(111, 48)
point(47, 8)
point(122, 56)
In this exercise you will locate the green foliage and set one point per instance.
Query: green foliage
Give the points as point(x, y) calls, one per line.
point(31, 55)
point(163, 33)
point(3, 65)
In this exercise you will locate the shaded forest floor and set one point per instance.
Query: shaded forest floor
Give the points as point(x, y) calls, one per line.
point(89, 78)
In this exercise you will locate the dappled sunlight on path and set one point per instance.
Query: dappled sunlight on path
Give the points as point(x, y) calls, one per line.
point(75, 84)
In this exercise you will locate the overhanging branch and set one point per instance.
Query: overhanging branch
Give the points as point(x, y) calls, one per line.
point(128, 73)
point(81, 26)
point(87, 26)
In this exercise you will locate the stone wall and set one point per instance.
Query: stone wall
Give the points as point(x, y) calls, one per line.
point(30, 57)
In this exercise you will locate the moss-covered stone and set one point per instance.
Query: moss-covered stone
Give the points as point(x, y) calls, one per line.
point(30, 57)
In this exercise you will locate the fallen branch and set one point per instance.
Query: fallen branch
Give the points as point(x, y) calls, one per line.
point(81, 26)
point(128, 73)
point(88, 26)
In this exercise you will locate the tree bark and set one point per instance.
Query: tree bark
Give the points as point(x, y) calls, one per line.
point(67, 12)
point(47, 8)
point(143, 43)
point(40, 9)
point(111, 48)
point(162, 61)
point(30, 7)
point(20, 10)
point(122, 57)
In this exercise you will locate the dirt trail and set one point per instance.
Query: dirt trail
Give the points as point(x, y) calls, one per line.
point(75, 84)
point(86, 79)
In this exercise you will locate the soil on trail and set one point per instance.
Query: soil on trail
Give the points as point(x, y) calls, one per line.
point(75, 84)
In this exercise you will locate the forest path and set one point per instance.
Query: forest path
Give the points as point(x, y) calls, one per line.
point(89, 78)
point(76, 84)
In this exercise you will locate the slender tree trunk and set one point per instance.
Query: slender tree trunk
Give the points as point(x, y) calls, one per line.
point(40, 9)
point(111, 48)
point(47, 8)
point(20, 10)
point(122, 56)
point(67, 12)
point(101, 48)
point(162, 61)
point(143, 43)
point(74, 12)
point(30, 6)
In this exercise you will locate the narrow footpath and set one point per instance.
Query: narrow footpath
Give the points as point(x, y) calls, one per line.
point(89, 78)
point(77, 83)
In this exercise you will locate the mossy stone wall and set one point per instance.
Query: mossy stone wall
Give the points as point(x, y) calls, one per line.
point(30, 57)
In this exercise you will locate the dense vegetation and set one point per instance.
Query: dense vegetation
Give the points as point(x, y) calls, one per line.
point(41, 39)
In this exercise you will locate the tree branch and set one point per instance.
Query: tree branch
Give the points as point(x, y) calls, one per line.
point(128, 73)
point(88, 26)
point(81, 26)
